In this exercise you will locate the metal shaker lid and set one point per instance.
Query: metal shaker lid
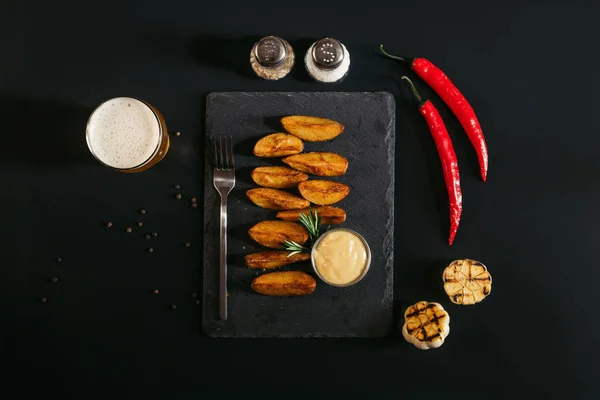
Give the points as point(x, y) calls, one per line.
point(327, 53)
point(270, 51)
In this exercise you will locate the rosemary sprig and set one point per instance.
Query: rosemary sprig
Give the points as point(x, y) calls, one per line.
point(312, 223)
point(294, 247)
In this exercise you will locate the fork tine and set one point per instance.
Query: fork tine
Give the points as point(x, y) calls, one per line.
point(215, 154)
point(226, 166)
point(232, 160)
point(222, 160)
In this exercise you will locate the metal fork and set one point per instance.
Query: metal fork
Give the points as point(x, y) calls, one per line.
point(224, 181)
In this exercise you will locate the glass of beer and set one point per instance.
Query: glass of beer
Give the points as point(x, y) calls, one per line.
point(127, 134)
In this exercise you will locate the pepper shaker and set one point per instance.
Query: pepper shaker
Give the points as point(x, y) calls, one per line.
point(272, 58)
point(327, 60)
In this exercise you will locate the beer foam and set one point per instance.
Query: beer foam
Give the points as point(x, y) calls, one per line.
point(123, 132)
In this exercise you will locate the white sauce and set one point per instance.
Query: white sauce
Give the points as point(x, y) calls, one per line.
point(340, 257)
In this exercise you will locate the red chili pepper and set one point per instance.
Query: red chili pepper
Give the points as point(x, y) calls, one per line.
point(461, 108)
point(447, 157)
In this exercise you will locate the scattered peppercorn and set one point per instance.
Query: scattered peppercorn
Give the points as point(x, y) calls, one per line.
point(108, 224)
point(178, 196)
point(44, 299)
point(177, 186)
point(177, 133)
point(194, 295)
point(142, 211)
point(155, 234)
point(54, 279)
point(187, 244)
point(194, 205)
point(58, 259)
point(140, 223)
point(150, 249)
point(173, 306)
point(193, 199)
point(147, 236)
point(128, 230)
point(197, 301)
point(155, 291)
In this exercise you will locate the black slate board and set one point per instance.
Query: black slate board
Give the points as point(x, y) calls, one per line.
point(362, 310)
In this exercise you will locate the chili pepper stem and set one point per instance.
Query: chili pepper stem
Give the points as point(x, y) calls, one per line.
point(413, 89)
point(391, 55)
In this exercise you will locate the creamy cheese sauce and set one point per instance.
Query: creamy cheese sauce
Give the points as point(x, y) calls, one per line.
point(340, 257)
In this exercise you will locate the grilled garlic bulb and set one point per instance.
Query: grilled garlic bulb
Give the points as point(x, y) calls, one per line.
point(426, 325)
point(467, 281)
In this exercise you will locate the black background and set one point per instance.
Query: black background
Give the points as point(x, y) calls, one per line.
point(531, 75)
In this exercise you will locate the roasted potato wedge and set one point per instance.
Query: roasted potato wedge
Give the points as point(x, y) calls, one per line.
point(312, 129)
point(275, 199)
point(277, 177)
point(273, 233)
point(274, 259)
point(323, 192)
point(318, 163)
point(284, 283)
point(278, 145)
point(329, 215)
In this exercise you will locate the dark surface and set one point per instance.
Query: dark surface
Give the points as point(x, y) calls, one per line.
point(530, 73)
point(362, 310)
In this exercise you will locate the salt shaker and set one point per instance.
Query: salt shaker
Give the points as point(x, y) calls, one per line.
point(272, 58)
point(327, 60)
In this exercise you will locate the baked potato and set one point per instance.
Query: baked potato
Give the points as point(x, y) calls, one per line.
point(275, 199)
point(323, 192)
point(329, 215)
point(284, 283)
point(272, 234)
point(274, 259)
point(312, 129)
point(277, 177)
point(278, 145)
point(318, 163)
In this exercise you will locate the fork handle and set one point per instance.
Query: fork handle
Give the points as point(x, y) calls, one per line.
point(223, 260)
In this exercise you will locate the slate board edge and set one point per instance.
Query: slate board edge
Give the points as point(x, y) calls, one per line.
point(210, 327)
